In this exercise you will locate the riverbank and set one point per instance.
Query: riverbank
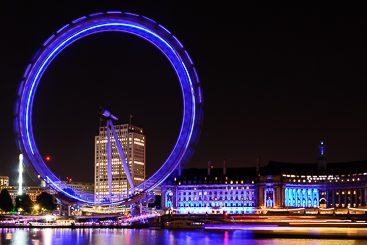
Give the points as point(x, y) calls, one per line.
point(247, 231)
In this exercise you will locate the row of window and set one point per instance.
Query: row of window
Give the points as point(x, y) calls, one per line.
point(216, 193)
point(199, 204)
point(215, 198)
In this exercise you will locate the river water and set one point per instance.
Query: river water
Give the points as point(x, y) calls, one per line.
point(97, 236)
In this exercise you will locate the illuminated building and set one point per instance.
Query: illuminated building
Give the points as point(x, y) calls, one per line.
point(4, 181)
point(277, 185)
point(326, 185)
point(212, 190)
point(81, 186)
point(132, 142)
point(32, 191)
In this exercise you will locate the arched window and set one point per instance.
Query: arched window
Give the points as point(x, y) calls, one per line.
point(169, 199)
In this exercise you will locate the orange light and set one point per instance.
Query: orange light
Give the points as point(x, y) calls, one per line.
point(48, 158)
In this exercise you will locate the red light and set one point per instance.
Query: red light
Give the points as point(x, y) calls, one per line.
point(48, 158)
point(211, 166)
point(226, 214)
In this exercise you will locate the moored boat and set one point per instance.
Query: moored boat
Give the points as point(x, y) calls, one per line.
point(185, 224)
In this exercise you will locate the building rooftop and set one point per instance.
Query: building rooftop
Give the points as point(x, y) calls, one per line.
point(277, 168)
point(200, 175)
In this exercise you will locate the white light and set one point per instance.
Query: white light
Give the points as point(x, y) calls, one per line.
point(20, 191)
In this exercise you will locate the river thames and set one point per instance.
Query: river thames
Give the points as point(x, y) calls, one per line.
point(48, 236)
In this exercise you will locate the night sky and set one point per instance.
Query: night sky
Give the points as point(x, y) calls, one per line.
point(275, 78)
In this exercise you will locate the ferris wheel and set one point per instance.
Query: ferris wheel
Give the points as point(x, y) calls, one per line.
point(112, 21)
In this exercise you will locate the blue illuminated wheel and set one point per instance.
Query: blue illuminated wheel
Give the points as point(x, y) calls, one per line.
point(116, 21)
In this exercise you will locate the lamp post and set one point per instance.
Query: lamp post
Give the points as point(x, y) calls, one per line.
point(36, 207)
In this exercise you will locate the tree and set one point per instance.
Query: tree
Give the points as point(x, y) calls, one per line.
point(6, 203)
point(46, 201)
point(24, 201)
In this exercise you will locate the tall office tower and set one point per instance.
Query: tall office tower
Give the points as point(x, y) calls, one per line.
point(132, 142)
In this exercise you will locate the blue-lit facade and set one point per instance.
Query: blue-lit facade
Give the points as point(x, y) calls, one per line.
point(306, 197)
point(277, 185)
point(217, 199)
point(215, 193)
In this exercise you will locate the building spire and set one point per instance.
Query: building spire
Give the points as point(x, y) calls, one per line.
point(322, 165)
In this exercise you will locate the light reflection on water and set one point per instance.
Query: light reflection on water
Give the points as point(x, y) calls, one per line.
point(49, 236)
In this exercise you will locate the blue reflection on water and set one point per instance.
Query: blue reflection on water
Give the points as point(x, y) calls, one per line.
point(49, 236)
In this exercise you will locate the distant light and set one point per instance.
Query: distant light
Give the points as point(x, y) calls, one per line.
point(48, 217)
point(48, 158)
point(211, 166)
point(322, 143)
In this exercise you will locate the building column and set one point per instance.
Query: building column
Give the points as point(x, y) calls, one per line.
point(351, 197)
point(346, 198)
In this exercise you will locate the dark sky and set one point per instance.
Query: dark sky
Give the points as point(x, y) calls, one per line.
point(275, 78)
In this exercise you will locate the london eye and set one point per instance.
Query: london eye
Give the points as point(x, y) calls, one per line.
point(113, 21)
